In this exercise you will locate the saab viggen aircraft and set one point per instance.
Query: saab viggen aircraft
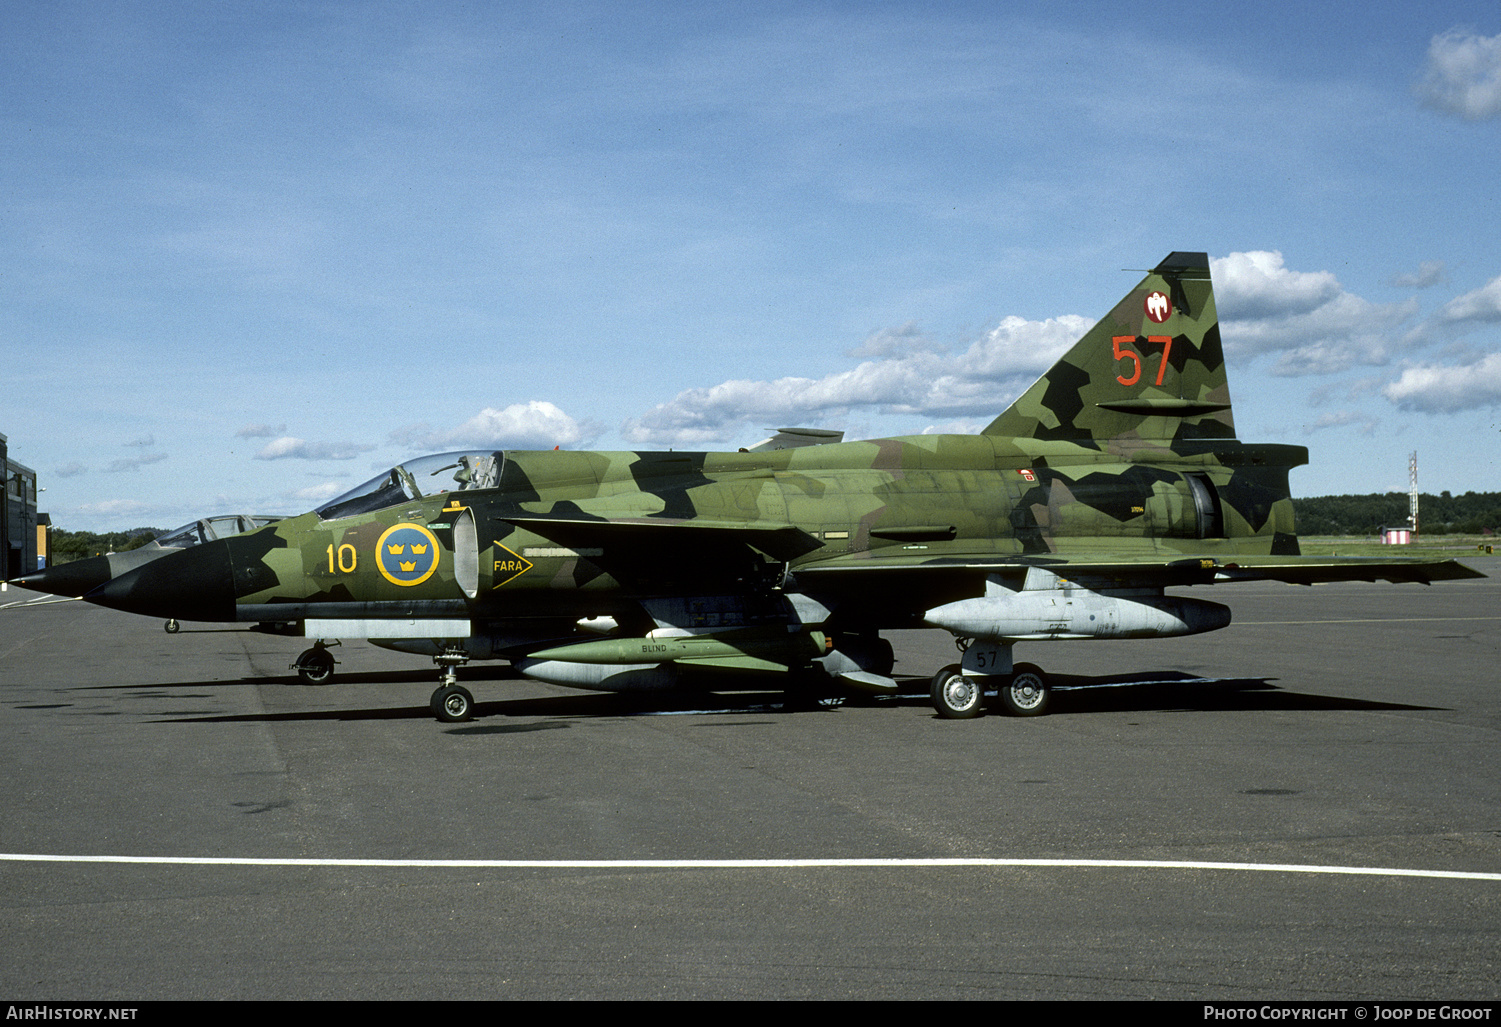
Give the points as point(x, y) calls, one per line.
point(1114, 477)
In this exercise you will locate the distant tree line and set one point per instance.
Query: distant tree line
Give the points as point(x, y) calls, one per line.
point(75, 545)
point(1474, 513)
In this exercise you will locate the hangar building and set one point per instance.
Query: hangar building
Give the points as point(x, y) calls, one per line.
point(23, 535)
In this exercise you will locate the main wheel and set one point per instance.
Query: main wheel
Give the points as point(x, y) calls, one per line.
point(955, 696)
point(1028, 693)
point(452, 704)
point(315, 666)
point(172, 627)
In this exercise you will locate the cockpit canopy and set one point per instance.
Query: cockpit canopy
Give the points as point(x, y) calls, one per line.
point(424, 476)
point(210, 528)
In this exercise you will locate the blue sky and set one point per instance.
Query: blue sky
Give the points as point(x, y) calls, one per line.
point(252, 253)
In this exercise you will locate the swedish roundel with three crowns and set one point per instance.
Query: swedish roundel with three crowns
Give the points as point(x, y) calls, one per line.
point(407, 554)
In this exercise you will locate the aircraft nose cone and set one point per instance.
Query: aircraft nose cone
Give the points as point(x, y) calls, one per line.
point(80, 577)
point(188, 584)
point(75, 579)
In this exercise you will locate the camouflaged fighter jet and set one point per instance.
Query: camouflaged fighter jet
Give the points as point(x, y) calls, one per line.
point(1115, 476)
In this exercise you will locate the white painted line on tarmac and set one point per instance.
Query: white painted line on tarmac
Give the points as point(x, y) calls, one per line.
point(26, 604)
point(753, 864)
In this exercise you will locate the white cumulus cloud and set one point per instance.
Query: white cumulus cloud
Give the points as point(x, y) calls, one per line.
point(1429, 273)
point(1463, 75)
point(1483, 304)
point(894, 342)
point(290, 448)
point(982, 380)
point(1306, 317)
point(1257, 285)
point(134, 463)
point(1365, 423)
point(533, 425)
point(1439, 388)
point(261, 431)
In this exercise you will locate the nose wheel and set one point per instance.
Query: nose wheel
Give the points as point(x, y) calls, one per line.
point(451, 701)
point(315, 666)
point(452, 704)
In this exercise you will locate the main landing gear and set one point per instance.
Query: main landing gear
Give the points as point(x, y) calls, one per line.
point(958, 690)
point(955, 696)
point(451, 702)
point(315, 666)
point(1028, 693)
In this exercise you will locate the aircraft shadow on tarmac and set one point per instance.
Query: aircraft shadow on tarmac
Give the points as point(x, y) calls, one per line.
point(1167, 692)
point(383, 677)
point(1159, 692)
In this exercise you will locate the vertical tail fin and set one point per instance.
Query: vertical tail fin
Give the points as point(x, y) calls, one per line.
point(1151, 370)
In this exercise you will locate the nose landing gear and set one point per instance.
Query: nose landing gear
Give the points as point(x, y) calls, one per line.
point(451, 702)
point(315, 666)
